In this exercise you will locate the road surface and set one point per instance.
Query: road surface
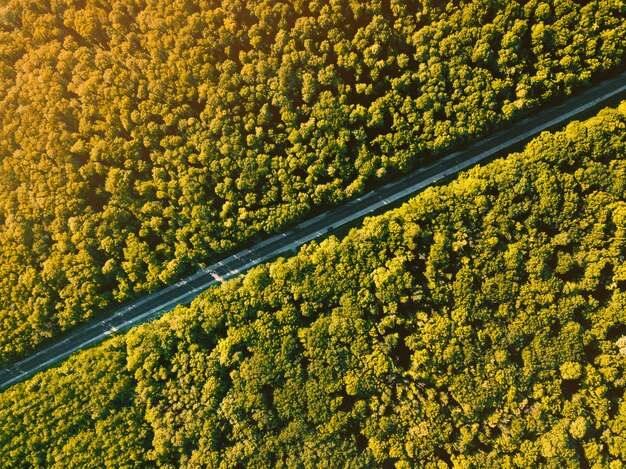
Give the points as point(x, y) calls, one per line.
point(391, 194)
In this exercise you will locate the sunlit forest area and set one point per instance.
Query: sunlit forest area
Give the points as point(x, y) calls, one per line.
point(140, 138)
point(482, 324)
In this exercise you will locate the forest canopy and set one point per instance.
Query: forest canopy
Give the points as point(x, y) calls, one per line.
point(482, 324)
point(139, 138)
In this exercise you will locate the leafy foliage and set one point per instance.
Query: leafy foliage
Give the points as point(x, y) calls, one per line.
point(139, 138)
point(482, 324)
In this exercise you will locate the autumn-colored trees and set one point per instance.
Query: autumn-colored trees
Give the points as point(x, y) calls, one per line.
point(140, 138)
point(482, 324)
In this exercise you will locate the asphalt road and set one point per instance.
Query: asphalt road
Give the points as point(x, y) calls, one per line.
point(391, 194)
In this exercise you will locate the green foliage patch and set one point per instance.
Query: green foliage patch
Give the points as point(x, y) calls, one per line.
point(481, 324)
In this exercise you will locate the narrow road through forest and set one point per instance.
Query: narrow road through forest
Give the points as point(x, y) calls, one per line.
point(391, 194)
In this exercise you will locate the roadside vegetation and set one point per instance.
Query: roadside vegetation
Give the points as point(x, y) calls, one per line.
point(481, 324)
point(140, 138)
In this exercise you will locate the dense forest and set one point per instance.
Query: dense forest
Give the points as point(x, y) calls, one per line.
point(482, 324)
point(139, 138)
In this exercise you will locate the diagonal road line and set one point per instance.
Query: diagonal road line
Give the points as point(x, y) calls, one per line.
point(389, 195)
